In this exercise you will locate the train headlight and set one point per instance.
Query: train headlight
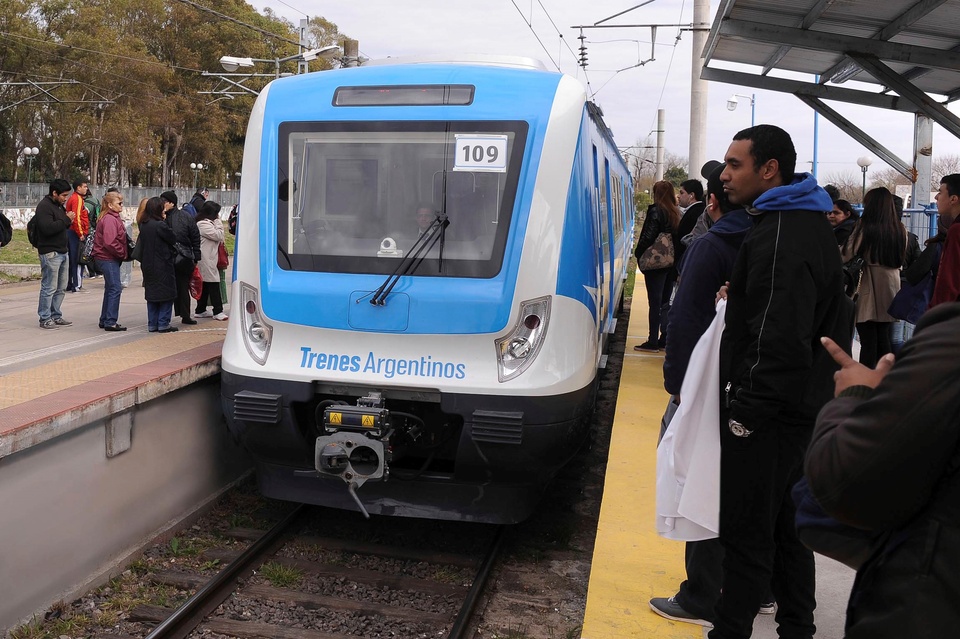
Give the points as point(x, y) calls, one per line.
point(257, 332)
point(517, 350)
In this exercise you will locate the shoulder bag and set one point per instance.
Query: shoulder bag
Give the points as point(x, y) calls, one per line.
point(852, 274)
point(223, 260)
point(658, 255)
point(86, 253)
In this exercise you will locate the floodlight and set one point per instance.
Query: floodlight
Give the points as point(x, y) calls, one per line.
point(232, 63)
point(322, 52)
point(732, 103)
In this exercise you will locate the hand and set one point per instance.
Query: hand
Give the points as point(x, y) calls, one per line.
point(72, 215)
point(722, 293)
point(853, 373)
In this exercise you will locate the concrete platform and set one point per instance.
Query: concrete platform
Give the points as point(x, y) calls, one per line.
point(631, 563)
point(106, 440)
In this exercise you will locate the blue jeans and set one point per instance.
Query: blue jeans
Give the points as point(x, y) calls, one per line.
point(110, 310)
point(53, 283)
point(158, 315)
point(73, 249)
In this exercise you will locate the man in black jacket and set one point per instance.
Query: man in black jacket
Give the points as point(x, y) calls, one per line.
point(188, 249)
point(52, 222)
point(785, 293)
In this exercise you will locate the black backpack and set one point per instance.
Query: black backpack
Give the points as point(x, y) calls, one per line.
point(33, 234)
point(6, 230)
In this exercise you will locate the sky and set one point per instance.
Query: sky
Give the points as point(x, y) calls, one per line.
point(624, 81)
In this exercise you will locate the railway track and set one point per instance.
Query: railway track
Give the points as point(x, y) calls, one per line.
point(403, 606)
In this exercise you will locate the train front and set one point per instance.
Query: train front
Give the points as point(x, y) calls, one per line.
point(400, 343)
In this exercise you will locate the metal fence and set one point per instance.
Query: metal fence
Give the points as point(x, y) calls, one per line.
point(17, 195)
point(922, 222)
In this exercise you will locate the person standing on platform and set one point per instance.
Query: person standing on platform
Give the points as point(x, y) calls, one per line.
point(52, 222)
point(690, 198)
point(109, 252)
point(92, 204)
point(77, 234)
point(842, 218)
point(947, 285)
point(156, 242)
point(884, 458)
point(706, 267)
point(785, 293)
point(880, 239)
point(188, 237)
point(663, 216)
point(211, 235)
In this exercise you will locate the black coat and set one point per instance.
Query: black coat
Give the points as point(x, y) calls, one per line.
point(52, 225)
point(786, 291)
point(185, 230)
point(159, 279)
point(886, 460)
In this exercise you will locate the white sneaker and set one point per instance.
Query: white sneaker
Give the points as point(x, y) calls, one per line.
point(221, 316)
point(204, 314)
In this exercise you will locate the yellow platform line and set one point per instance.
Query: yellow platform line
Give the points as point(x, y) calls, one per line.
point(631, 563)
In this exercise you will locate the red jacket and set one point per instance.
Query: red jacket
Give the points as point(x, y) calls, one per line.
point(947, 287)
point(110, 239)
point(81, 223)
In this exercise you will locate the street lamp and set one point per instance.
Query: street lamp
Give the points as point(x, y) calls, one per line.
point(863, 162)
point(232, 63)
point(732, 103)
point(196, 169)
point(30, 153)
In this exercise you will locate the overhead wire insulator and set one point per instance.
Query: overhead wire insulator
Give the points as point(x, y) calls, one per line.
point(583, 49)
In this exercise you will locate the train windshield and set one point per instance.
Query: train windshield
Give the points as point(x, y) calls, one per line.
point(356, 197)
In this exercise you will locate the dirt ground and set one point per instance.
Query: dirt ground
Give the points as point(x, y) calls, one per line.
point(540, 587)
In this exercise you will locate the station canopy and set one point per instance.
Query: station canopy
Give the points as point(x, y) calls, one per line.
point(909, 50)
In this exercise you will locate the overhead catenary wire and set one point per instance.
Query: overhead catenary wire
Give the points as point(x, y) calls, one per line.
point(224, 16)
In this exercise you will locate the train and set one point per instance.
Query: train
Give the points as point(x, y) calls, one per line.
point(430, 257)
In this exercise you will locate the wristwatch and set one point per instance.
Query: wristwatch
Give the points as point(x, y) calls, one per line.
point(738, 429)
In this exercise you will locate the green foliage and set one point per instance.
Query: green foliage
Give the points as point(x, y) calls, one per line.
point(675, 175)
point(19, 251)
point(135, 97)
point(280, 576)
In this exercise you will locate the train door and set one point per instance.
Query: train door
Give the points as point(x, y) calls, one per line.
point(599, 181)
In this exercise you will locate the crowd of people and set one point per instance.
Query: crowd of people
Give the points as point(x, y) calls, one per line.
point(878, 439)
point(172, 247)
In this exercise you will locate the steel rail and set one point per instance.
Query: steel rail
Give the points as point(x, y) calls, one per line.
point(473, 595)
point(193, 611)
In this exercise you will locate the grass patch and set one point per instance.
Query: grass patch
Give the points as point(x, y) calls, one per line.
point(281, 576)
point(19, 251)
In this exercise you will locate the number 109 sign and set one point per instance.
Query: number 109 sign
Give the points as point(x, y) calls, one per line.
point(481, 153)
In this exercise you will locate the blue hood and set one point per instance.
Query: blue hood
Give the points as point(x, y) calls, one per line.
point(802, 194)
point(733, 223)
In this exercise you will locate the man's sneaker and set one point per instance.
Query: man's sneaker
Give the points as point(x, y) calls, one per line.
point(204, 314)
point(221, 316)
point(62, 322)
point(647, 347)
point(768, 608)
point(48, 324)
point(670, 609)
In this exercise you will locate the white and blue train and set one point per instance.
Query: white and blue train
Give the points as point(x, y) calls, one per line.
point(430, 256)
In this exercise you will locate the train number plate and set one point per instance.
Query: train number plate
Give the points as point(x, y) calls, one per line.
point(481, 153)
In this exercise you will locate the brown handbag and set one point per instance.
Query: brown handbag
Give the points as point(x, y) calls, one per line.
point(658, 255)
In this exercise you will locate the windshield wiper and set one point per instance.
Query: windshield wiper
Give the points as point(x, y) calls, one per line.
point(412, 260)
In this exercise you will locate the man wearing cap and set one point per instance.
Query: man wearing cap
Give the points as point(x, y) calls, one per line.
point(188, 253)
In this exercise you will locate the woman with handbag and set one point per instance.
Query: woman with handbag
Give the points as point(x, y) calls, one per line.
point(655, 257)
point(211, 237)
point(881, 241)
point(109, 252)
